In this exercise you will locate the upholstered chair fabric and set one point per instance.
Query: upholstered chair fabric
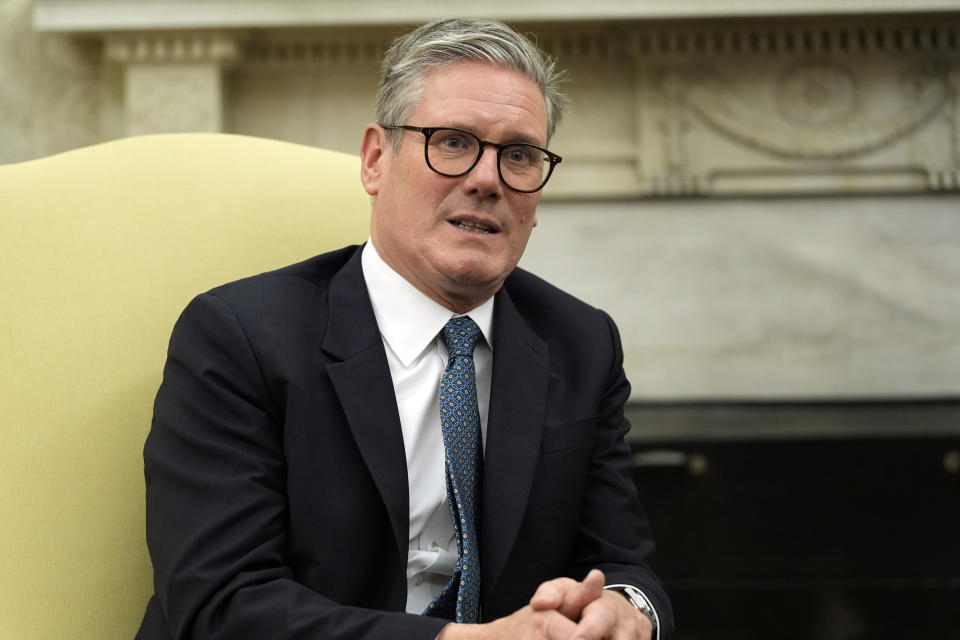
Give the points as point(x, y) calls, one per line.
point(100, 249)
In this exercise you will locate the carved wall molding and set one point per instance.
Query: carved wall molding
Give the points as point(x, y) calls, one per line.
point(821, 110)
point(770, 107)
point(284, 50)
point(122, 15)
point(171, 98)
point(172, 82)
point(865, 34)
point(692, 107)
point(171, 47)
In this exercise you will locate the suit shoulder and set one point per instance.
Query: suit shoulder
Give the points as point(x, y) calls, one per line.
point(582, 341)
point(557, 316)
point(311, 274)
point(532, 294)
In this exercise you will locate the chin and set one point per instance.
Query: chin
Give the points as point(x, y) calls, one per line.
point(473, 275)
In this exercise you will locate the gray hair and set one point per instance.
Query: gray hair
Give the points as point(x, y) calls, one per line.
point(446, 42)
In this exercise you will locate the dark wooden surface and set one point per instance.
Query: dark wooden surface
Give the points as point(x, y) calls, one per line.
point(805, 520)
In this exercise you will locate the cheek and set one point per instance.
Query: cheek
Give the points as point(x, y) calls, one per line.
point(428, 191)
point(415, 206)
point(528, 215)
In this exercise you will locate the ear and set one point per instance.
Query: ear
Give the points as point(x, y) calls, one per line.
point(374, 154)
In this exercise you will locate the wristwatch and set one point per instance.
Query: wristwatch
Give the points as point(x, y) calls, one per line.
point(635, 597)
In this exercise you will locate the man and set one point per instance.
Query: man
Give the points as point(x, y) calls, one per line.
point(413, 438)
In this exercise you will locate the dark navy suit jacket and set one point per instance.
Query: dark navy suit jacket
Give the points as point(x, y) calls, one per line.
point(277, 501)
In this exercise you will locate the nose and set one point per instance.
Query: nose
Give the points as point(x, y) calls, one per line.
point(484, 179)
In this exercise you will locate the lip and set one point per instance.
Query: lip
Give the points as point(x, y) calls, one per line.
point(488, 225)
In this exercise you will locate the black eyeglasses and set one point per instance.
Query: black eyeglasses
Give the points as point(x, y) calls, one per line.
point(454, 152)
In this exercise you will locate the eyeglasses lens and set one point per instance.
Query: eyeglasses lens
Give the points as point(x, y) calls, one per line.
point(453, 152)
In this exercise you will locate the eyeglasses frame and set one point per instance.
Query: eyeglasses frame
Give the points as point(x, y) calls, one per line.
point(427, 132)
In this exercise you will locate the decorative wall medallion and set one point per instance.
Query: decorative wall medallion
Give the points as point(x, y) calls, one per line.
point(819, 113)
point(817, 93)
point(173, 98)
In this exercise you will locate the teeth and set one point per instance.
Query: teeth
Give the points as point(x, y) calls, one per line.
point(473, 226)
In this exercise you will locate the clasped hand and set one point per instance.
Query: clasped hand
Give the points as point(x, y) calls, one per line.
point(564, 609)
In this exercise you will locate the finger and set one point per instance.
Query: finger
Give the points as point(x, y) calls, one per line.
point(599, 621)
point(583, 594)
point(551, 594)
point(557, 626)
point(568, 596)
point(526, 623)
point(594, 582)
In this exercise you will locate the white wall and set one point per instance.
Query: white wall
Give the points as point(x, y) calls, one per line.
point(768, 298)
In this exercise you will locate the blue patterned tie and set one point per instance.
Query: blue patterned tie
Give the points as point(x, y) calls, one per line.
point(459, 600)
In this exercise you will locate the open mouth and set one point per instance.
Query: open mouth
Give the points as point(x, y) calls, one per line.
point(469, 225)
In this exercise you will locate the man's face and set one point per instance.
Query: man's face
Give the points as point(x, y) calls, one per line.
point(424, 225)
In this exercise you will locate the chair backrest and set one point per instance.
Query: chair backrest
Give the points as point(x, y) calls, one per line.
point(100, 249)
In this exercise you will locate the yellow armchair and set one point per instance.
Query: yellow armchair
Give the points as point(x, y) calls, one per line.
point(100, 249)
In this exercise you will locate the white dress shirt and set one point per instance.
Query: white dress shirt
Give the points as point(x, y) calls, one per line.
point(410, 325)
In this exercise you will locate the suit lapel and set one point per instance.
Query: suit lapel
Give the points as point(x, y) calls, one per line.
point(514, 429)
point(362, 382)
point(515, 421)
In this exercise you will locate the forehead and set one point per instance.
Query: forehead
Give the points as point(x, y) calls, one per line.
point(488, 99)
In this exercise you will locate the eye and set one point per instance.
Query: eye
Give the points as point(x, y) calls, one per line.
point(523, 155)
point(453, 140)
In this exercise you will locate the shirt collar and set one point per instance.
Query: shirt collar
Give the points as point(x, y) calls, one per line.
point(408, 320)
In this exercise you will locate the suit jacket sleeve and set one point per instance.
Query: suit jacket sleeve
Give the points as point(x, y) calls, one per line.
point(614, 533)
point(216, 502)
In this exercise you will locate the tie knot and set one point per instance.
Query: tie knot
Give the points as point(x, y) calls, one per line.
point(460, 335)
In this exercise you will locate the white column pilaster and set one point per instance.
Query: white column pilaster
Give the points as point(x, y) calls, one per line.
point(172, 83)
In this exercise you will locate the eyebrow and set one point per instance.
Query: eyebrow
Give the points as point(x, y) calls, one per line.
point(518, 138)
